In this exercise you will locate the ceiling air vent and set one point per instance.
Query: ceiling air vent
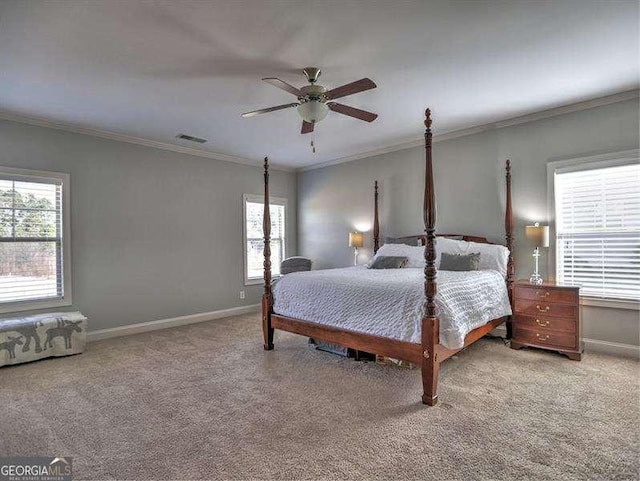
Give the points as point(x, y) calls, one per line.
point(191, 138)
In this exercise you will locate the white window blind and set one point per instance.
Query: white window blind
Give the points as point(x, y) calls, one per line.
point(31, 240)
point(254, 236)
point(598, 230)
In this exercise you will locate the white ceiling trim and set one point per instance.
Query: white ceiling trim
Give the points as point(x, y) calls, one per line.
point(104, 134)
point(543, 114)
point(565, 109)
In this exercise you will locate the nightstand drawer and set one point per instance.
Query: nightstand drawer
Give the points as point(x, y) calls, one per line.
point(545, 294)
point(544, 338)
point(533, 307)
point(544, 323)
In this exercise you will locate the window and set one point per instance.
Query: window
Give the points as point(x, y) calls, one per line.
point(597, 207)
point(34, 240)
point(254, 237)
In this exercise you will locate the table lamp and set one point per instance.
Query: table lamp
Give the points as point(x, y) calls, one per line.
point(356, 240)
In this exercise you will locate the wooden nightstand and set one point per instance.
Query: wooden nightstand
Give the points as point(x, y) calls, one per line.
point(547, 317)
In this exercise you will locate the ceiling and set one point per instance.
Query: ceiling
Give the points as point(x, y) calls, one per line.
point(153, 69)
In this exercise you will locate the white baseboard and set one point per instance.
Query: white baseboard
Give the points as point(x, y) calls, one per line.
point(614, 348)
point(593, 345)
point(140, 327)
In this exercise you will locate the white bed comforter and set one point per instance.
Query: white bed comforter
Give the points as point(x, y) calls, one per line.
point(390, 302)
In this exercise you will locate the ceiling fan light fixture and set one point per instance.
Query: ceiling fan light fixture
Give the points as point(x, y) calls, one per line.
point(315, 101)
point(313, 111)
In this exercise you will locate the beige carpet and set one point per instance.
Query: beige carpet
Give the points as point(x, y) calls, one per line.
point(206, 402)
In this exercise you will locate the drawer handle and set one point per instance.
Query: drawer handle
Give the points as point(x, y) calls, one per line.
point(542, 338)
point(546, 294)
point(542, 323)
point(546, 309)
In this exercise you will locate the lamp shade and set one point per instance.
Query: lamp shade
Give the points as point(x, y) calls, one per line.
point(313, 111)
point(538, 235)
point(356, 239)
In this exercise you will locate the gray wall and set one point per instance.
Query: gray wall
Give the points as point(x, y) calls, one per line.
point(155, 234)
point(469, 191)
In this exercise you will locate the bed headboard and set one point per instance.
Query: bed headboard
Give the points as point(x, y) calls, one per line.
point(420, 238)
point(429, 211)
point(413, 239)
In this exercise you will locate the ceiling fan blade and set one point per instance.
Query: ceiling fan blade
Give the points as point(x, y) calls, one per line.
point(281, 84)
point(352, 112)
point(253, 113)
point(307, 127)
point(350, 89)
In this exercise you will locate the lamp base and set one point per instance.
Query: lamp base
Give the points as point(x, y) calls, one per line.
point(536, 279)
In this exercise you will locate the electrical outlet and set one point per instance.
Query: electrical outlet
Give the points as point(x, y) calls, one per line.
point(242, 295)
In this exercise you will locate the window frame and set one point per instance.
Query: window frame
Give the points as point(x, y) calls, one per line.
point(611, 159)
point(259, 199)
point(27, 175)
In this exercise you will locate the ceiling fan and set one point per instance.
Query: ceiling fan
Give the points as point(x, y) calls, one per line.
point(315, 101)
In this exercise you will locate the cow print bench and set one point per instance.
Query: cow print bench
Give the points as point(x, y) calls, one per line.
point(44, 335)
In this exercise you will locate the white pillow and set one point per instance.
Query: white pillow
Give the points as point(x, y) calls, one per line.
point(492, 256)
point(414, 254)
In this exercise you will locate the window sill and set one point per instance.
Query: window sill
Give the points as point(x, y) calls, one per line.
point(610, 303)
point(9, 308)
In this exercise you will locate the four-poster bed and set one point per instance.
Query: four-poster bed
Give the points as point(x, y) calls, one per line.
point(428, 353)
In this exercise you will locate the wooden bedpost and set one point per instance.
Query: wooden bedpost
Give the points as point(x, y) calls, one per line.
point(430, 323)
point(267, 300)
point(376, 222)
point(508, 227)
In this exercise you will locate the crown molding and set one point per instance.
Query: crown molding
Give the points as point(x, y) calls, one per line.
point(569, 108)
point(104, 134)
point(363, 155)
point(418, 142)
point(543, 114)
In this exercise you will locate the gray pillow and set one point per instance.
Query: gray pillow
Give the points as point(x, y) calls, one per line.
point(295, 264)
point(388, 262)
point(458, 262)
point(409, 241)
